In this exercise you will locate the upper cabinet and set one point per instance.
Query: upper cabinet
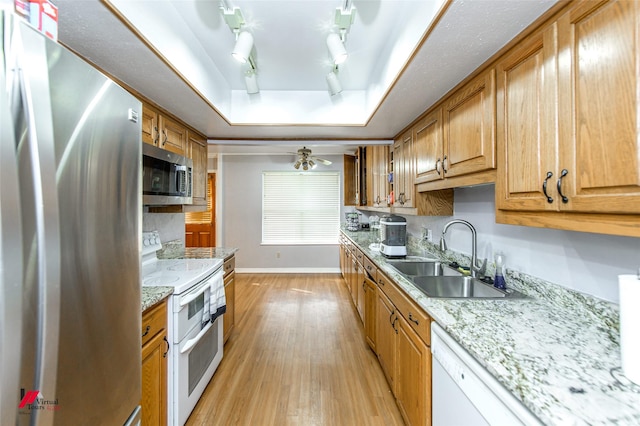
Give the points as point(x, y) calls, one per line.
point(198, 153)
point(377, 157)
point(162, 131)
point(403, 170)
point(568, 145)
point(455, 143)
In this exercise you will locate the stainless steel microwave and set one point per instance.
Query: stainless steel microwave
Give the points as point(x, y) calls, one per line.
point(167, 178)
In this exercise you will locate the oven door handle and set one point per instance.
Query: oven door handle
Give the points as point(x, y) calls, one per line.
point(195, 293)
point(192, 342)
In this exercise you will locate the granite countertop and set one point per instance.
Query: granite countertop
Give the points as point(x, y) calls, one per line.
point(153, 295)
point(557, 350)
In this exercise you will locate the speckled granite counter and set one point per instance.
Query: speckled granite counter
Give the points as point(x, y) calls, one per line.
point(175, 250)
point(152, 295)
point(557, 351)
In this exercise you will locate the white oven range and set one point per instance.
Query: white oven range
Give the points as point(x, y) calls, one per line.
point(196, 341)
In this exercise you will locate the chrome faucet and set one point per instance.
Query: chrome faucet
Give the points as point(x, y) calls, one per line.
point(443, 244)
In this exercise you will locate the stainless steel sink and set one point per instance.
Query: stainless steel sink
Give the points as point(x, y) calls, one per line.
point(459, 287)
point(420, 268)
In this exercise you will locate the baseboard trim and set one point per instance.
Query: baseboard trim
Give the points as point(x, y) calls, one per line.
point(287, 270)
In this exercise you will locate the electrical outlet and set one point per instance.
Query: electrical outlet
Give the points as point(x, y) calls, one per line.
point(429, 235)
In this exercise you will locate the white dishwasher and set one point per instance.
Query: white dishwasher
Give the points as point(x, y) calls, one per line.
point(465, 394)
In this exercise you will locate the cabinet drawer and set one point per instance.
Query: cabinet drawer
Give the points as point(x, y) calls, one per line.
point(371, 269)
point(417, 318)
point(359, 256)
point(153, 321)
point(229, 265)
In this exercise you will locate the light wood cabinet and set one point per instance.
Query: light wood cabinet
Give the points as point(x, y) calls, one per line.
point(370, 307)
point(350, 184)
point(568, 140)
point(403, 170)
point(359, 290)
point(413, 375)
point(403, 339)
point(386, 337)
point(155, 348)
point(455, 143)
point(377, 157)
point(198, 153)
point(162, 131)
point(229, 317)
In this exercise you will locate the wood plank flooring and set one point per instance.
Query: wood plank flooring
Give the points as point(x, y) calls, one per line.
point(296, 357)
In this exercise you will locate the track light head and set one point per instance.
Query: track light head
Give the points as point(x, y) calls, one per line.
point(336, 49)
point(334, 84)
point(242, 49)
point(251, 81)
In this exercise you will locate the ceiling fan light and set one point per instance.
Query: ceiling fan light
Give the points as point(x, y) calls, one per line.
point(312, 164)
point(336, 49)
point(297, 165)
point(242, 49)
point(305, 166)
point(334, 84)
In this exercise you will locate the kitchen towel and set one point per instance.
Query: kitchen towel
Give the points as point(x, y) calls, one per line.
point(630, 326)
point(218, 300)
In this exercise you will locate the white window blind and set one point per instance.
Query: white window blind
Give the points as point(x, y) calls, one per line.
point(300, 208)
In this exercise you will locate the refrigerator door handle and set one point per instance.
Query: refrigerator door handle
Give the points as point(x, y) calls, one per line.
point(41, 152)
point(10, 263)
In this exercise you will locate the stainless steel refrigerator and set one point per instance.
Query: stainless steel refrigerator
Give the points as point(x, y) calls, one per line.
point(70, 221)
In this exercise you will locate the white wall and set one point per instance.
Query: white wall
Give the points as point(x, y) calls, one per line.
point(589, 263)
point(240, 215)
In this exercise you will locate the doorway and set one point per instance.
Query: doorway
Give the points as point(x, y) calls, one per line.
point(200, 227)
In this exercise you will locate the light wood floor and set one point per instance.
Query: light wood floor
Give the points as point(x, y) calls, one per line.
point(297, 357)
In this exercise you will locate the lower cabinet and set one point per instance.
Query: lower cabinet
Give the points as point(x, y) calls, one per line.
point(155, 349)
point(403, 351)
point(370, 317)
point(229, 317)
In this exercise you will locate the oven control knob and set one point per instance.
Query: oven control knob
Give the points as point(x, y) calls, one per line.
point(145, 242)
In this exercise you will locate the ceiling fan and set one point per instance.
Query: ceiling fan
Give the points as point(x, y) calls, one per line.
point(307, 160)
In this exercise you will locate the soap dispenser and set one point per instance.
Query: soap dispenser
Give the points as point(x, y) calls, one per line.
point(498, 280)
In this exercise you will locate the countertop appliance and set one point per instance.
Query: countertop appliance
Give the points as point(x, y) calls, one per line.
point(465, 393)
point(70, 217)
point(393, 236)
point(194, 322)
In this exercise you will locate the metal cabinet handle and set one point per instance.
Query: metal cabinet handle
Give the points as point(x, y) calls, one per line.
point(164, 132)
point(164, 355)
point(393, 324)
point(364, 287)
point(393, 312)
point(444, 164)
point(438, 166)
point(544, 187)
point(381, 282)
point(146, 331)
point(157, 136)
point(563, 173)
point(413, 320)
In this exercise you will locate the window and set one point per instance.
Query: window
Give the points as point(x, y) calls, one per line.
point(300, 208)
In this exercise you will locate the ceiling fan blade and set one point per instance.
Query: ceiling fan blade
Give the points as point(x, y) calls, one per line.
point(322, 160)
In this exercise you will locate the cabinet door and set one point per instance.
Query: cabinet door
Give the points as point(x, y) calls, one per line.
point(386, 337)
point(469, 129)
point(174, 136)
point(370, 318)
point(229, 316)
point(428, 148)
point(382, 164)
point(150, 133)
point(526, 113)
point(413, 376)
point(359, 290)
point(403, 171)
point(599, 84)
point(198, 153)
point(154, 381)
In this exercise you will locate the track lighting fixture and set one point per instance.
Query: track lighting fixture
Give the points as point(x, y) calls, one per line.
point(334, 84)
point(242, 49)
point(336, 48)
point(251, 81)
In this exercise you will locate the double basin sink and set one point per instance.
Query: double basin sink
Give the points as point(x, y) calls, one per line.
point(436, 279)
